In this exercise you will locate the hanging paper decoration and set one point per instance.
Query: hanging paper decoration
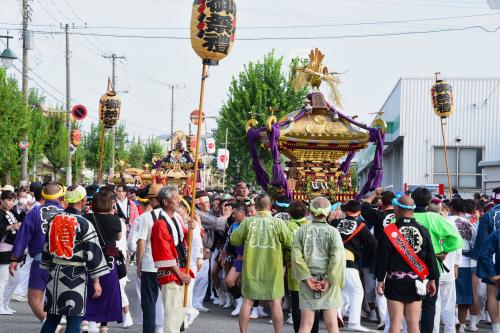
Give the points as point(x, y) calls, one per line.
point(210, 142)
point(222, 159)
point(213, 26)
point(109, 108)
point(442, 98)
point(76, 137)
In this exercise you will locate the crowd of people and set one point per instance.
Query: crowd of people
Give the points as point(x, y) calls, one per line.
point(412, 261)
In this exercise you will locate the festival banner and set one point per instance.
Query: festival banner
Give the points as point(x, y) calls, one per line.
point(222, 159)
point(210, 142)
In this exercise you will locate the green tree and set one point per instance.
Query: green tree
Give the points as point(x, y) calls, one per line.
point(56, 149)
point(37, 134)
point(121, 139)
point(152, 148)
point(136, 154)
point(14, 125)
point(91, 145)
point(259, 87)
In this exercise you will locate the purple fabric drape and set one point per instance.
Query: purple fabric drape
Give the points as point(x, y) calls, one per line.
point(279, 177)
point(376, 172)
point(344, 167)
point(261, 175)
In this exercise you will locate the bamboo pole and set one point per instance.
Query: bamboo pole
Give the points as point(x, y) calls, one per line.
point(101, 155)
point(450, 192)
point(195, 175)
point(224, 174)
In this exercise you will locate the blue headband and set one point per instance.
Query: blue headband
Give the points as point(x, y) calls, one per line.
point(91, 196)
point(395, 202)
point(282, 204)
point(335, 206)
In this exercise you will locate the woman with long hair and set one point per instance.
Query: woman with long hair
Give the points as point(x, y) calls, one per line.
point(108, 307)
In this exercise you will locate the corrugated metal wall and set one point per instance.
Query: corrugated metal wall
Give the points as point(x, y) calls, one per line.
point(476, 121)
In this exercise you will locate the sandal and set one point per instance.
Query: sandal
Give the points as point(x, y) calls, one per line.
point(103, 329)
point(85, 328)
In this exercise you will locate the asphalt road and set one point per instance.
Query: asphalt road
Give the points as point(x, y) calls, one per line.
point(217, 320)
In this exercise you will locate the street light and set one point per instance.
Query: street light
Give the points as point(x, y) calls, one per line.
point(7, 56)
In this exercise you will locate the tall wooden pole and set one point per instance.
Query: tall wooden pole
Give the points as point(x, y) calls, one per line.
point(113, 58)
point(101, 154)
point(195, 175)
point(450, 191)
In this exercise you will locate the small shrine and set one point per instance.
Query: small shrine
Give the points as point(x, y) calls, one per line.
point(177, 167)
point(314, 139)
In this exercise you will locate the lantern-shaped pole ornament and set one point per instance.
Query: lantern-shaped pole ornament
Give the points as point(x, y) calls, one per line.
point(76, 137)
point(213, 26)
point(443, 106)
point(109, 113)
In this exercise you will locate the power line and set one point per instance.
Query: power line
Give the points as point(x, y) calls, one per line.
point(388, 34)
point(274, 27)
point(417, 4)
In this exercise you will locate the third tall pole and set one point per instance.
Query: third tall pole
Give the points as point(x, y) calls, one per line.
point(195, 174)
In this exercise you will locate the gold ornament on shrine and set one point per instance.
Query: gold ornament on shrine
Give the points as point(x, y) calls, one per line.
point(442, 97)
point(378, 122)
point(314, 73)
point(213, 26)
point(109, 107)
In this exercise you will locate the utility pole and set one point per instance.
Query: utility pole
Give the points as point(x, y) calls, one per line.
point(113, 57)
point(69, 173)
point(24, 152)
point(173, 86)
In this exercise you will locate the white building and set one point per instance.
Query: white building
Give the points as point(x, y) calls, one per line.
point(414, 152)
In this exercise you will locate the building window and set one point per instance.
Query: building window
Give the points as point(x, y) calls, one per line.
point(463, 163)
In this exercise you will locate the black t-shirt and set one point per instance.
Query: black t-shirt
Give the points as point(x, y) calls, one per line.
point(19, 216)
point(7, 236)
point(107, 226)
point(378, 219)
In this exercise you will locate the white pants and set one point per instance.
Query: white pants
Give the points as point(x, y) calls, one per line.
point(445, 307)
point(158, 313)
point(382, 307)
point(7, 285)
point(123, 283)
point(352, 296)
point(191, 286)
point(137, 306)
point(201, 284)
point(24, 277)
point(174, 312)
point(369, 284)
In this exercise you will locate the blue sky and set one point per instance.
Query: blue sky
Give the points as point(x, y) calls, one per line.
point(373, 64)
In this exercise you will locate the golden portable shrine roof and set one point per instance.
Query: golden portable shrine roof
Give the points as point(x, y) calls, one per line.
point(318, 135)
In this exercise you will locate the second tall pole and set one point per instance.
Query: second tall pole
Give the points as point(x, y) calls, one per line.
point(69, 173)
point(113, 58)
point(24, 152)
